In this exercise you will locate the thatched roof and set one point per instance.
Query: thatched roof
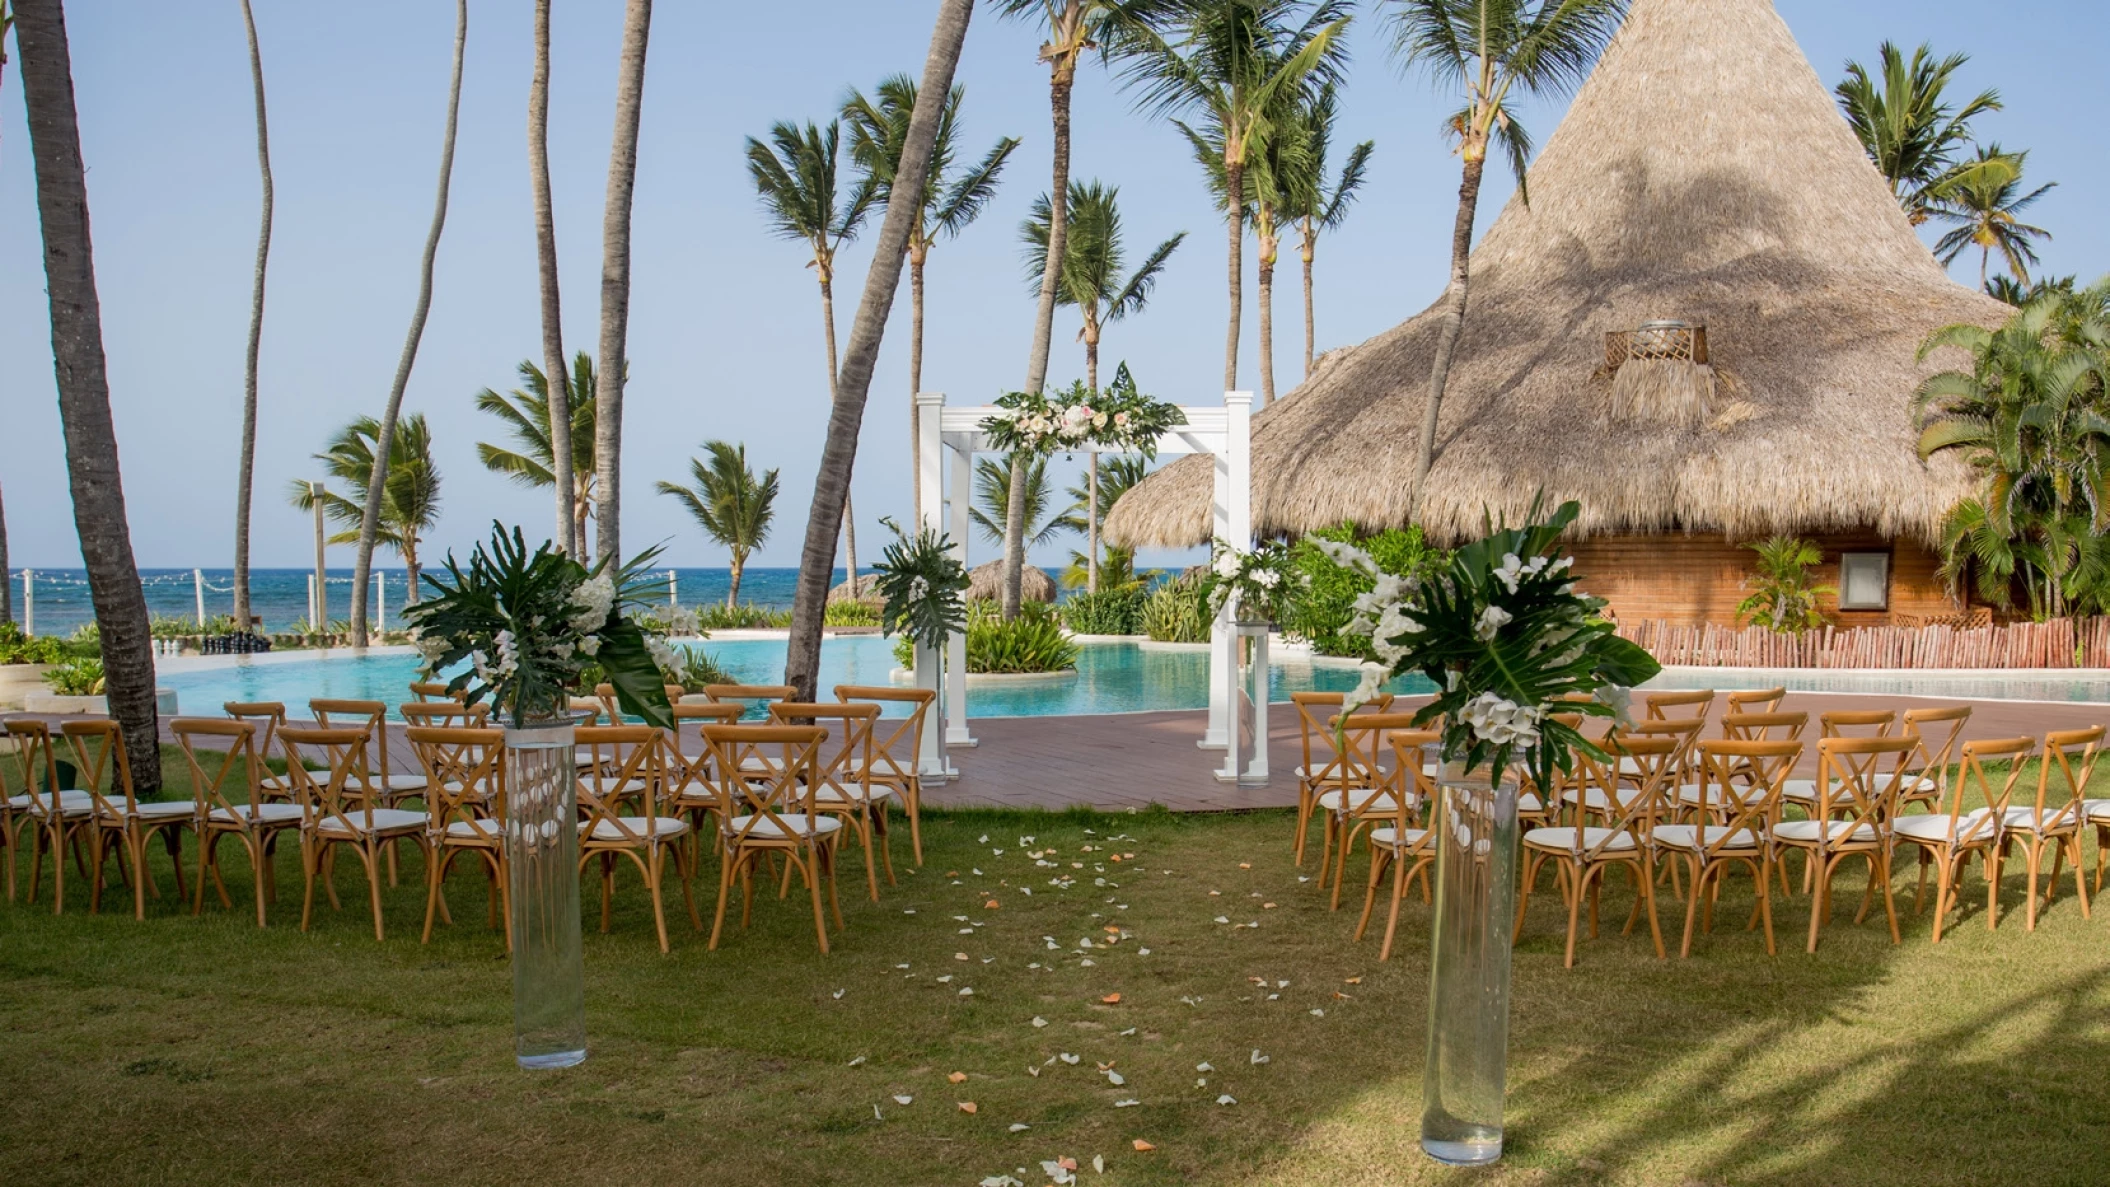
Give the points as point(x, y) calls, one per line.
point(986, 583)
point(1703, 174)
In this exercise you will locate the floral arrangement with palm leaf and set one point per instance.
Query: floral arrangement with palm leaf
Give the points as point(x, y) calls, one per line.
point(923, 585)
point(529, 624)
point(1504, 634)
point(1263, 580)
point(1118, 419)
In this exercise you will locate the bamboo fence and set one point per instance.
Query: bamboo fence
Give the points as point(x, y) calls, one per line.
point(2059, 643)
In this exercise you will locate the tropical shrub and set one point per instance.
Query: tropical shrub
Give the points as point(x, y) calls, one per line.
point(1320, 612)
point(852, 612)
point(1783, 595)
point(693, 668)
point(77, 678)
point(1178, 611)
point(744, 617)
point(18, 648)
point(1032, 642)
point(1116, 611)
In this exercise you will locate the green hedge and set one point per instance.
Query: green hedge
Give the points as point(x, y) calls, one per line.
point(1108, 612)
point(1324, 606)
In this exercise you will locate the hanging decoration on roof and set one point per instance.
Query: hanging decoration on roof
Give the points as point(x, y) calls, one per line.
point(1660, 374)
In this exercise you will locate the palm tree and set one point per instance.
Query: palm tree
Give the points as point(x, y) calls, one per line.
point(570, 527)
point(1491, 49)
point(1311, 202)
point(878, 132)
point(728, 503)
point(831, 482)
point(2030, 417)
point(1106, 480)
point(615, 277)
point(1913, 136)
point(992, 500)
point(1238, 66)
point(1983, 205)
point(409, 507)
point(526, 412)
point(245, 477)
point(1073, 26)
point(83, 383)
point(384, 451)
point(7, 588)
point(2008, 290)
point(797, 181)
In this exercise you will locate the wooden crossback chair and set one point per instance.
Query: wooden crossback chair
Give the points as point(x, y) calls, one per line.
point(2053, 823)
point(268, 717)
point(1360, 790)
point(1762, 700)
point(1950, 836)
point(1738, 799)
point(897, 744)
point(1875, 723)
point(1400, 843)
point(121, 817)
point(230, 802)
point(56, 818)
point(845, 757)
point(341, 808)
point(605, 693)
point(1850, 818)
point(754, 698)
point(769, 809)
point(1677, 706)
point(434, 692)
point(1938, 731)
point(1745, 779)
point(1584, 853)
point(394, 786)
point(630, 767)
point(444, 715)
point(688, 789)
point(1322, 758)
point(465, 814)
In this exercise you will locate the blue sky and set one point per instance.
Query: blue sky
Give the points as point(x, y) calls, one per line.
point(725, 340)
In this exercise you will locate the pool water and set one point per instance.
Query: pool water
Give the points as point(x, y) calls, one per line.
point(1111, 678)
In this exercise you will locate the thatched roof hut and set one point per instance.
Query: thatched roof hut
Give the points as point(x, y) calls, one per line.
point(1704, 176)
point(986, 583)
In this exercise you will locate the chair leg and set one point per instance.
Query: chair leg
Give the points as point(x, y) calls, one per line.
point(259, 865)
point(1296, 844)
point(2080, 888)
point(1399, 891)
point(136, 850)
point(725, 887)
point(1575, 901)
point(307, 869)
point(654, 864)
point(1993, 859)
point(1820, 895)
point(864, 835)
point(913, 798)
point(813, 891)
point(370, 857)
point(1700, 872)
point(435, 873)
point(2036, 857)
point(1378, 858)
point(1765, 898)
point(98, 846)
point(1943, 889)
point(1880, 860)
point(886, 848)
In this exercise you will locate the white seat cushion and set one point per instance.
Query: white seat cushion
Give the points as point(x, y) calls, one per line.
point(635, 829)
point(480, 829)
point(70, 802)
point(1597, 801)
point(850, 793)
point(2027, 820)
point(2097, 810)
point(1801, 790)
point(1563, 839)
point(1935, 828)
point(1837, 831)
point(1392, 838)
point(162, 810)
point(1685, 836)
point(1364, 801)
point(1530, 804)
point(1718, 796)
point(264, 814)
point(795, 821)
point(385, 820)
point(401, 783)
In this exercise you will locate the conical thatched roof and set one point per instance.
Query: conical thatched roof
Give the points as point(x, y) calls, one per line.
point(986, 583)
point(1703, 174)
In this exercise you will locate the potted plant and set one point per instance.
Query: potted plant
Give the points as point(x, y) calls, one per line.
point(527, 625)
point(1503, 632)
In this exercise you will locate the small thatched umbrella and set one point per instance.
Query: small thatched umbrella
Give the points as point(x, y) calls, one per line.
point(987, 583)
point(1705, 176)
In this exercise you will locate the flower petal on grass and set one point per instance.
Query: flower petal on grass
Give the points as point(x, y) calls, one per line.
point(903, 1100)
point(1258, 1058)
point(1130, 1103)
point(1019, 1127)
point(1226, 1099)
point(957, 1077)
point(857, 1061)
point(1039, 1022)
point(969, 1107)
point(1111, 999)
point(1142, 1147)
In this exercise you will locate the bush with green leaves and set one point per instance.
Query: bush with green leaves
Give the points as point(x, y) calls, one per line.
point(695, 668)
point(1108, 612)
point(1784, 595)
point(744, 617)
point(77, 678)
point(852, 612)
point(18, 648)
point(1032, 642)
point(1325, 603)
point(1178, 611)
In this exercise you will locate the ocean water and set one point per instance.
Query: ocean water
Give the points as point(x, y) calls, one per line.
point(280, 596)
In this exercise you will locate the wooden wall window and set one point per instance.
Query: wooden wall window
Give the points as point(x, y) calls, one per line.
point(1864, 581)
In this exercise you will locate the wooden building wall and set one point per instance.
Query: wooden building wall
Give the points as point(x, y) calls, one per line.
point(1698, 579)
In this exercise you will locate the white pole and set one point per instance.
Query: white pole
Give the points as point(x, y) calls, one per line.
point(930, 516)
point(380, 602)
point(322, 579)
point(311, 601)
point(29, 601)
point(197, 577)
point(958, 508)
point(673, 589)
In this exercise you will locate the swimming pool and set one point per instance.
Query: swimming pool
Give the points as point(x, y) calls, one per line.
point(1111, 678)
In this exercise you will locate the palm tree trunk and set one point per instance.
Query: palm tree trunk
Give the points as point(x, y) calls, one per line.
point(84, 385)
point(1268, 247)
point(569, 536)
point(849, 512)
point(1234, 222)
point(377, 482)
point(831, 484)
point(1091, 462)
point(1062, 80)
point(1453, 324)
point(1309, 250)
point(245, 477)
point(917, 256)
point(615, 278)
point(732, 594)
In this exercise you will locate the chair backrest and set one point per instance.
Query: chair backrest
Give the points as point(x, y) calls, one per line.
point(1316, 714)
point(98, 746)
point(590, 708)
point(1413, 750)
point(1634, 813)
point(1762, 768)
point(755, 697)
point(847, 753)
point(630, 764)
point(266, 716)
point(674, 693)
point(1763, 700)
point(756, 797)
point(1764, 727)
point(445, 714)
point(235, 784)
point(1993, 791)
point(1683, 732)
point(1673, 706)
point(32, 739)
point(428, 691)
point(340, 788)
point(604, 692)
point(896, 741)
point(1367, 783)
point(1871, 723)
point(683, 768)
point(1851, 785)
point(2062, 778)
point(332, 713)
point(1938, 731)
point(464, 773)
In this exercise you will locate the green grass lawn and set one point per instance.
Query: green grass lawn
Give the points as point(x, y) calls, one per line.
point(182, 1050)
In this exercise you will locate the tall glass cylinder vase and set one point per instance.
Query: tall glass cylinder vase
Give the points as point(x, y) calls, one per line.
point(1476, 888)
point(542, 857)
